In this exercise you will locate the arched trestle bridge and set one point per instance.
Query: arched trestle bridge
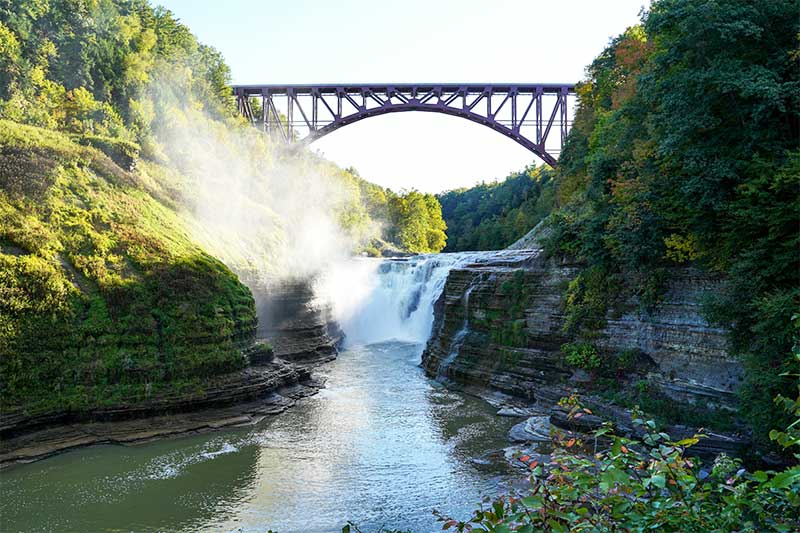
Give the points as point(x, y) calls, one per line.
point(526, 113)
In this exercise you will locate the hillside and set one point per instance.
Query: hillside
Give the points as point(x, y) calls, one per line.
point(134, 203)
point(491, 216)
point(105, 296)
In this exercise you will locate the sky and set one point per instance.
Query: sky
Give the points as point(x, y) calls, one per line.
point(411, 41)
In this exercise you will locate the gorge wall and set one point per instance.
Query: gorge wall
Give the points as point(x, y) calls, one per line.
point(109, 308)
point(499, 327)
point(299, 326)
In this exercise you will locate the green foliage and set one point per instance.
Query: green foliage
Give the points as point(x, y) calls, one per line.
point(416, 222)
point(665, 410)
point(581, 355)
point(685, 150)
point(640, 484)
point(411, 221)
point(790, 438)
point(494, 215)
point(104, 297)
point(85, 66)
point(507, 326)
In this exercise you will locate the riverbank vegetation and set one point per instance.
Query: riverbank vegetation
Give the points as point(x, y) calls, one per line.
point(606, 482)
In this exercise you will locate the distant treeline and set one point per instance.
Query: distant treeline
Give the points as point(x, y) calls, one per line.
point(410, 220)
point(491, 216)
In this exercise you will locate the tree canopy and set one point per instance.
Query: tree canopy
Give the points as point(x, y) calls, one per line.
point(685, 151)
point(491, 216)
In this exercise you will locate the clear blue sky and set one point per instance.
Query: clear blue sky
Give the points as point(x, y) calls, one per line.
point(303, 41)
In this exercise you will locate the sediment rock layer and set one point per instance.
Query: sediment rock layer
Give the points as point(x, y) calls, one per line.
point(242, 399)
point(300, 334)
point(515, 332)
point(300, 328)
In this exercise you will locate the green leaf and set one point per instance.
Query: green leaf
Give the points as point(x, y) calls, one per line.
point(786, 478)
point(659, 480)
point(760, 476)
point(532, 502)
point(616, 447)
point(556, 526)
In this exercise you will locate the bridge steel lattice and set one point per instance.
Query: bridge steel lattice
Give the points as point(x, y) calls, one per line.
point(526, 113)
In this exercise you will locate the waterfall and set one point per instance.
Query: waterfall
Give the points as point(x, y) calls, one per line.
point(391, 299)
point(458, 338)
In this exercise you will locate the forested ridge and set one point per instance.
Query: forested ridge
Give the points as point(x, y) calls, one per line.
point(491, 216)
point(685, 151)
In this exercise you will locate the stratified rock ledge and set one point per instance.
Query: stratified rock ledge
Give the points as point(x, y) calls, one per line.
point(515, 332)
point(238, 399)
point(302, 335)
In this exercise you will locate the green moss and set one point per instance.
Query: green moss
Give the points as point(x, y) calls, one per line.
point(507, 325)
point(105, 298)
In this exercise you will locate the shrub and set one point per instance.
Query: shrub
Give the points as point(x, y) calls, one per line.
point(641, 485)
point(581, 355)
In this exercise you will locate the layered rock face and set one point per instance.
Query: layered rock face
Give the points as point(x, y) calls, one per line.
point(300, 328)
point(499, 326)
point(236, 399)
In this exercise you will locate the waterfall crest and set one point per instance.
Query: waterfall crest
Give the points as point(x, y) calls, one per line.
point(396, 297)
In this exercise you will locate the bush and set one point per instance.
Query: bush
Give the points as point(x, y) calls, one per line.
point(581, 355)
point(646, 484)
point(123, 153)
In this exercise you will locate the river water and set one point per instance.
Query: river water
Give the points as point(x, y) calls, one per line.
point(381, 445)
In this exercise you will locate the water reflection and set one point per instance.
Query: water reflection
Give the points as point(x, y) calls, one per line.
point(144, 488)
point(381, 445)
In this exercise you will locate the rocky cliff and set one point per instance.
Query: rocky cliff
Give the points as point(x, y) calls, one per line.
point(499, 328)
point(299, 327)
point(295, 335)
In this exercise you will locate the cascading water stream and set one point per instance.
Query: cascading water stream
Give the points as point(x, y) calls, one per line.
point(458, 338)
point(392, 299)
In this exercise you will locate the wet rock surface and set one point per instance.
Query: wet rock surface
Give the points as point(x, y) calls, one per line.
point(534, 429)
point(516, 319)
point(300, 328)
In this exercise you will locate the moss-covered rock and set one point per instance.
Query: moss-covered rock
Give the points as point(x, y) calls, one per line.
point(104, 297)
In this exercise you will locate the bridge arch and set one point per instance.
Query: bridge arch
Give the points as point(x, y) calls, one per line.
point(524, 113)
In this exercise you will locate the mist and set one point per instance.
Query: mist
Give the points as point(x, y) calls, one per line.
point(272, 213)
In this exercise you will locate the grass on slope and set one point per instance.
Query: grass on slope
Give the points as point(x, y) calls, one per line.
point(104, 298)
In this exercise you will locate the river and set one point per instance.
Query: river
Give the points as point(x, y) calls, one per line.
point(381, 445)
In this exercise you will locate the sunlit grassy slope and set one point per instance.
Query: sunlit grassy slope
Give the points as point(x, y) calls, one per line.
point(104, 296)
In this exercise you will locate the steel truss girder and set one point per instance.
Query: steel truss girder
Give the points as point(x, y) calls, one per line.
point(525, 113)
